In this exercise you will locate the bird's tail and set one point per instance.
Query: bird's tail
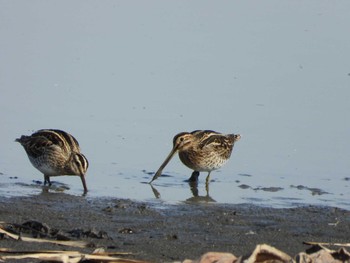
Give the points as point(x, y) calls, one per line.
point(22, 140)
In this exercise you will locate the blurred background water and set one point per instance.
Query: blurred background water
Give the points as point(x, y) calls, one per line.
point(125, 76)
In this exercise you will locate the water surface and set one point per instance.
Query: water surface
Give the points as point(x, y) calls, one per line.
point(125, 77)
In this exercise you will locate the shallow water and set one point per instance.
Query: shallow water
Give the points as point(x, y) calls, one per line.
point(124, 79)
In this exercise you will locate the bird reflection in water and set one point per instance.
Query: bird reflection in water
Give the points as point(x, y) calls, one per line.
point(195, 198)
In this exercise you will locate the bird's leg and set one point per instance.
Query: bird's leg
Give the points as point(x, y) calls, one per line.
point(47, 180)
point(194, 177)
point(208, 178)
point(207, 188)
point(193, 183)
point(207, 182)
point(194, 188)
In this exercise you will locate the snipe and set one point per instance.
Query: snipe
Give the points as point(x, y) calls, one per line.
point(55, 153)
point(201, 151)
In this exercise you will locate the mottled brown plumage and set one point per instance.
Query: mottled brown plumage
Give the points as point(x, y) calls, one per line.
point(201, 150)
point(55, 152)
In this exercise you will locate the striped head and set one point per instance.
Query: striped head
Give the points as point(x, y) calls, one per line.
point(183, 141)
point(77, 164)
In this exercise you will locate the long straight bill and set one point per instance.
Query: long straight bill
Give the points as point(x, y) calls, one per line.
point(82, 177)
point(159, 172)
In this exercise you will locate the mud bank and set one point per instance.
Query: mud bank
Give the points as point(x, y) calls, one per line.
point(172, 232)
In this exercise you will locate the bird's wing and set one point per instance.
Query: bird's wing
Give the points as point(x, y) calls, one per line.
point(37, 146)
point(60, 138)
point(214, 140)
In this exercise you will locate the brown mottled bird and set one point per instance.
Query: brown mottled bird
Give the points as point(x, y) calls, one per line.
point(54, 153)
point(201, 151)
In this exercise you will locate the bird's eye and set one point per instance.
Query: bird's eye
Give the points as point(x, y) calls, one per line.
point(181, 139)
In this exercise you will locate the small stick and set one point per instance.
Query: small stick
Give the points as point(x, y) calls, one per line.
point(61, 257)
point(327, 244)
point(80, 244)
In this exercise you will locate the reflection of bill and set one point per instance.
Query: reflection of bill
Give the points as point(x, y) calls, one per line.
point(155, 192)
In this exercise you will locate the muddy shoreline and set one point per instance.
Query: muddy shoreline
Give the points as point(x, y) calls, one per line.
point(174, 232)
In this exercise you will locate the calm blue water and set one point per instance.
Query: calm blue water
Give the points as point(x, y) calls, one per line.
point(125, 77)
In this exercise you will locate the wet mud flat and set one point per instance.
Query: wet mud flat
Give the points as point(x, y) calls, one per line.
point(170, 232)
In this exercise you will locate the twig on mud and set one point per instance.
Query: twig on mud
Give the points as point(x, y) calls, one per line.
point(68, 252)
point(66, 256)
point(80, 244)
point(98, 255)
point(327, 244)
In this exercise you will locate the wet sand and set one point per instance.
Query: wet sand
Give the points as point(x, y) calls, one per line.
point(173, 232)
